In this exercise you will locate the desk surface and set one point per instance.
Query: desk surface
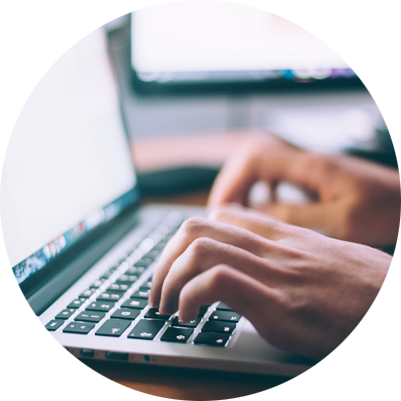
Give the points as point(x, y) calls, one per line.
point(32, 377)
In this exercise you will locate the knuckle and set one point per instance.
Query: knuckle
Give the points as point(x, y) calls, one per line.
point(193, 225)
point(201, 247)
point(220, 274)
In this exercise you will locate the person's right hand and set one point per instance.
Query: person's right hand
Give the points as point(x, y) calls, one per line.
point(354, 200)
point(302, 291)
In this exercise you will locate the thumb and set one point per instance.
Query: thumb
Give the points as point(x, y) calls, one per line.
point(314, 215)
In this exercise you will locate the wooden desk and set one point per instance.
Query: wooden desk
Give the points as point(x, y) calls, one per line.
point(43, 378)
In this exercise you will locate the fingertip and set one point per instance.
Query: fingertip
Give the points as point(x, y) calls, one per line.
point(152, 304)
point(167, 309)
point(186, 317)
point(153, 300)
point(187, 311)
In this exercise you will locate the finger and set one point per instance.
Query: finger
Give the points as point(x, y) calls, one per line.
point(234, 180)
point(196, 228)
point(241, 292)
point(251, 220)
point(200, 256)
point(307, 170)
point(244, 169)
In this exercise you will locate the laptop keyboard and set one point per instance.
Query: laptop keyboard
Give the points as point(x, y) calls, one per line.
point(114, 305)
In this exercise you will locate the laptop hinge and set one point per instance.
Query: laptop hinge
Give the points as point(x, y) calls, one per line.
point(37, 303)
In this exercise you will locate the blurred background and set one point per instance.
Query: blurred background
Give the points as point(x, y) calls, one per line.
point(197, 78)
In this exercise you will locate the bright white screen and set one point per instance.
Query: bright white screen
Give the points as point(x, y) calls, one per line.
point(68, 155)
point(219, 36)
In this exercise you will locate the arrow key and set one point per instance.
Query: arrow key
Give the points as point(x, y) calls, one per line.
point(214, 339)
point(176, 335)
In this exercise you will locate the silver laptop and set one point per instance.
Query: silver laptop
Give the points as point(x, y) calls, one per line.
point(82, 246)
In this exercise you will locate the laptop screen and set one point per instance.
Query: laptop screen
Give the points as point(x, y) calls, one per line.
point(68, 167)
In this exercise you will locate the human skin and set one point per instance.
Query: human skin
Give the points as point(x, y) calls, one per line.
point(351, 199)
point(302, 291)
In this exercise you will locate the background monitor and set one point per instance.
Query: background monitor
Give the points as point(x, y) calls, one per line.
point(279, 43)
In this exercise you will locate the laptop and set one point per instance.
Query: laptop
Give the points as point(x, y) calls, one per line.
point(83, 247)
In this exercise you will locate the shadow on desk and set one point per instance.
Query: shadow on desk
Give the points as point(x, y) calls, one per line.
point(33, 377)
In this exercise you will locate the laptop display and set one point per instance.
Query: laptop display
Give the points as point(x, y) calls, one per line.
point(68, 167)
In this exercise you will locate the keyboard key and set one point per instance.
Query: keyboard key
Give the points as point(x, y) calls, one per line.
point(215, 339)
point(65, 314)
point(107, 275)
point(78, 328)
point(146, 329)
point(151, 255)
point(122, 260)
point(132, 270)
point(219, 327)
point(176, 335)
point(203, 309)
point(143, 292)
point(118, 287)
point(135, 303)
point(94, 317)
point(53, 325)
point(225, 316)
point(192, 323)
point(129, 314)
point(76, 303)
point(140, 269)
point(223, 306)
point(87, 293)
point(143, 262)
point(110, 296)
point(160, 246)
point(113, 328)
point(127, 279)
point(104, 306)
point(97, 284)
point(148, 284)
point(153, 313)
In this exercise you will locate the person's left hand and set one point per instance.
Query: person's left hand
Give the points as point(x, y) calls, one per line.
point(302, 291)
